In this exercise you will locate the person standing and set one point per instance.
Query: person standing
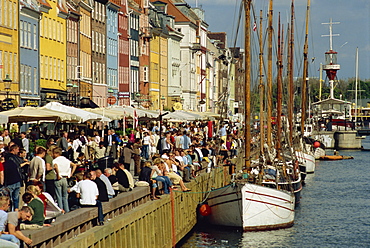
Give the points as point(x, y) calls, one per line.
point(136, 155)
point(6, 137)
point(50, 175)
point(145, 147)
point(12, 175)
point(88, 193)
point(37, 166)
point(108, 143)
point(64, 169)
point(25, 143)
point(63, 143)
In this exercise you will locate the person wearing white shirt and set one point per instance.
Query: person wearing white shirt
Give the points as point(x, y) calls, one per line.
point(25, 142)
point(146, 144)
point(63, 170)
point(77, 147)
point(88, 193)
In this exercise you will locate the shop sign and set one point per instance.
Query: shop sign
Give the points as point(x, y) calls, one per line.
point(123, 94)
point(51, 95)
point(9, 103)
point(32, 103)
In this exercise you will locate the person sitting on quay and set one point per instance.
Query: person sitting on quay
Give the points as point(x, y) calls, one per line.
point(123, 179)
point(174, 177)
point(37, 207)
point(6, 239)
point(15, 219)
point(88, 193)
point(51, 209)
point(102, 188)
point(158, 175)
point(107, 183)
point(146, 175)
point(112, 179)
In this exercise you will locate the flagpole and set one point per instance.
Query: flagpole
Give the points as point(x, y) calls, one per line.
point(102, 133)
point(124, 123)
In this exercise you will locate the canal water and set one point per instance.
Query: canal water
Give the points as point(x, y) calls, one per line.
point(334, 211)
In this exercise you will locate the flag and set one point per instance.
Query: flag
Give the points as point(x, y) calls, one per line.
point(136, 119)
point(254, 26)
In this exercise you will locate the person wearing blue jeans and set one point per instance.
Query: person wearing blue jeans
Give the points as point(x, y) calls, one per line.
point(145, 147)
point(166, 183)
point(61, 187)
point(14, 194)
point(64, 169)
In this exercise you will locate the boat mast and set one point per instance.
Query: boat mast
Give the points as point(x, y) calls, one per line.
point(291, 74)
point(320, 90)
point(269, 75)
point(356, 82)
point(247, 78)
point(279, 90)
point(305, 72)
point(262, 91)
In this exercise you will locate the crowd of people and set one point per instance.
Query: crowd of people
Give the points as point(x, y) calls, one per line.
point(75, 170)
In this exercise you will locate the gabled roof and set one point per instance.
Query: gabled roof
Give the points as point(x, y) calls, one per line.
point(174, 11)
point(45, 4)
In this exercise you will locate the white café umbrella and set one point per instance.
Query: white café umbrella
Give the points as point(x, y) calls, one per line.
point(84, 115)
point(28, 114)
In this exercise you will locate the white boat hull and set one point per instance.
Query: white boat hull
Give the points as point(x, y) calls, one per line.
point(307, 160)
point(252, 207)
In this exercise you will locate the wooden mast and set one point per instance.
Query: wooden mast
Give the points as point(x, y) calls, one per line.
point(305, 72)
point(247, 78)
point(261, 90)
point(291, 75)
point(279, 99)
point(269, 75)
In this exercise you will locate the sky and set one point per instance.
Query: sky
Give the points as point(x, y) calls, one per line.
point(353, 30)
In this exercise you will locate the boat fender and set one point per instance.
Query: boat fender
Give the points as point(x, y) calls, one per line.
point(205, 210)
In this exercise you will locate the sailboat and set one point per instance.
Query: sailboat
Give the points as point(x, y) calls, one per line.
point(305, 152)
point(266, 202)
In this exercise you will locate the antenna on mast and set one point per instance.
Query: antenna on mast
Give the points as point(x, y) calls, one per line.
point(330, 32)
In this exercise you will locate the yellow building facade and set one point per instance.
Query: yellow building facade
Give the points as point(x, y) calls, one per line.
point(158, 88)
point(9, 49)
point(154, 73)
point(163, 83)
point(53, 47)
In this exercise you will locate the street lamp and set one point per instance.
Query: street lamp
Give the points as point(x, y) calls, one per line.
point(7, 85)
point(72, 92)
point(137, 98)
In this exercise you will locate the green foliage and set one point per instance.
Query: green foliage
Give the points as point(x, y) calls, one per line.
point(41, 142)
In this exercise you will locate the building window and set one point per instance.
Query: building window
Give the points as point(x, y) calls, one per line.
point(29, 35)
point(22, 78)
point(34, 37)
point(21, 32)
